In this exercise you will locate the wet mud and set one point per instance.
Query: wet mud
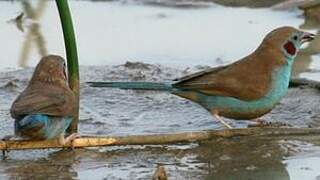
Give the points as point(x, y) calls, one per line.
point(126, 112)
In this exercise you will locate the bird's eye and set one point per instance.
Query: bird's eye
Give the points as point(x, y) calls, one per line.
point(295, 38)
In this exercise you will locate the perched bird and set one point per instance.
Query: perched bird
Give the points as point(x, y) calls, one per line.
point(43, 110)
point(245, 89)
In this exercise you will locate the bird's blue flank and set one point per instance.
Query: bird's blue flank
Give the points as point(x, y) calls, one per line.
point(39, 126)
point(135, 85)
point(281, 78)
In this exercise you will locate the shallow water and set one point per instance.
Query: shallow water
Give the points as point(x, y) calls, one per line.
point(120, 112)
point(177, 37)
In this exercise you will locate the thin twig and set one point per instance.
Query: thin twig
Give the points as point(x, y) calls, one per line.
point(187, 137)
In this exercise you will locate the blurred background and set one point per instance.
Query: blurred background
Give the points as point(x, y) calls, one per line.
point(178, 33)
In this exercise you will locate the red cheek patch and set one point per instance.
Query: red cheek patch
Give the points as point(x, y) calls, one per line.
point(289, 47)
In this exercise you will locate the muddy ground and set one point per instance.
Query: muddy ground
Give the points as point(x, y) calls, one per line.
point(127, 112)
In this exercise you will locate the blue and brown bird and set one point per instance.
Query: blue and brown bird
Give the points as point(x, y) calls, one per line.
point(44, 109)
point(245, 89)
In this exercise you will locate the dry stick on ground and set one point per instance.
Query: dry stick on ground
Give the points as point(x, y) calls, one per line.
point(94, 141)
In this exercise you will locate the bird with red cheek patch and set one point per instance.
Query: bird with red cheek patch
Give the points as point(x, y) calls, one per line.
point(245, 89)
point(43, 110)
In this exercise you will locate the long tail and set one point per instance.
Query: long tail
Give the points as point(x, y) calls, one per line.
point(134, 85)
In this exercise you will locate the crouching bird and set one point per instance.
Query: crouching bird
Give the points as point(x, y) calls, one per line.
point(43, 110)
point(245, 89)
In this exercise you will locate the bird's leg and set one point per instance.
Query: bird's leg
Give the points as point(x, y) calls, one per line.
point(219, 118)
point(5, 151)
point(63, 141)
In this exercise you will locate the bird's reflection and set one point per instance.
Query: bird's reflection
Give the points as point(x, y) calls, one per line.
point(247, 3)
point(245, 158)
point(58, 165)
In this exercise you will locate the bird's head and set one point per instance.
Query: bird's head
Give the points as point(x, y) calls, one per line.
point(288, 39)
point(52, 70)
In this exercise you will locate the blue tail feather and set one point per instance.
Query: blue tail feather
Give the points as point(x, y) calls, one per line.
point(134, 85)
point(39, 126)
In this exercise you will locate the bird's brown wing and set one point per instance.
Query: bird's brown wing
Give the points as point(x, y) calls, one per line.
point(245, 80)
point(34, 101)
point(200, 73)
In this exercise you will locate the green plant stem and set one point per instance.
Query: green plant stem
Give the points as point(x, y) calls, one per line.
point(72, 57)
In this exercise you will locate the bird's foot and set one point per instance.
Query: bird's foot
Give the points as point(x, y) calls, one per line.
point(63, 141)
point(220, 119)
point(264, 123)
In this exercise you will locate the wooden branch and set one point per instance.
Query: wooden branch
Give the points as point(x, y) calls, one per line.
point(94, 141)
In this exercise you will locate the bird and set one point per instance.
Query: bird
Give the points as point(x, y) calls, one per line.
point(243, 90)
point(43, 110)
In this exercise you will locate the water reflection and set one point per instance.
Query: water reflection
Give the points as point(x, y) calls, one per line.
point(235, 158)
point(34, 34)
point(248, 3)
point(110, 33)
point(245, 158)
point(302, 159)
point(57, 165)
point(311, 22)
point(112, 44)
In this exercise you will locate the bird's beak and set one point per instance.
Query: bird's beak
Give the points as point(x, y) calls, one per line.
point(307, 37)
